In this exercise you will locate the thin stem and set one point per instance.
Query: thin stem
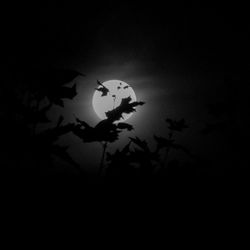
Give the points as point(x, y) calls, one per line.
point(104, 145)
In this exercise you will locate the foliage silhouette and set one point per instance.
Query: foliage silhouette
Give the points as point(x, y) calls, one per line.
point(102, 89)
point(137, 158)
point(120, 163)
point(28, 108)
point(169, 143)
point(143, 161)
point(123, 125)
point(50, 83)
point(62, 92)
point(126, 107)
point(106, 131)
point(44, 145)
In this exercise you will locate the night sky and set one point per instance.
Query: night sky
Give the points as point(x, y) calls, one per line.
point(175, 57)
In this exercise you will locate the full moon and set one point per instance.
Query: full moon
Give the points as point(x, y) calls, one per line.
point(109, 95)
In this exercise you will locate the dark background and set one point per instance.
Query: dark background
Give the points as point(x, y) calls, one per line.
point(202, 48)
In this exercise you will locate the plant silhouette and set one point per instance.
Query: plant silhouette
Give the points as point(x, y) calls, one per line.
point(44, 145)
point(41, 89)
point(126, 107)
point(106, 131)
point(102, 89)
point(136, 159)
point(144, 161)
point(169, 142)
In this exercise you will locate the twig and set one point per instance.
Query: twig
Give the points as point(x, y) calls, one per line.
point(104, 145)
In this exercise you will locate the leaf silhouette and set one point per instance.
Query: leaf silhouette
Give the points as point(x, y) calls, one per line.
point(82, 123)
point(126, 149)
point(104, 90)
point(61, 152)
point(119, 163)
point(56, 95)
point(57, 101)
point(86, 134)
point(141, 144)
point(60, 77)
point(52, 134)
point(104, 131)
point(168, 143)
point(43, 147)
point(69, 93)
point(125, 107)
point(49, 83)
point(108, 131)
point(123, 125)
point(144, 160)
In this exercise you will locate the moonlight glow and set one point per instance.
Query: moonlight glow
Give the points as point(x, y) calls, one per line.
point(117, 91)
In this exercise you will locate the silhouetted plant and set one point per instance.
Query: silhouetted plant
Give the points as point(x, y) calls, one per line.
point(126, 107)
point(106, 131)
point(135, 159)
point(120, 163)
point(104, 90)
point(142, 160)
point(44, 145)
point(169, 142)
point(143, 157)
point(50, 83)
point(28, 109)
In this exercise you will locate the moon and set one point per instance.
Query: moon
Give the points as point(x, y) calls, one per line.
point(117, 91)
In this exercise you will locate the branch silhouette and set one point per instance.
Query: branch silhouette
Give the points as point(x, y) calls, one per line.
point(102, 89)
point(126, 107)
point(106, 131)
point(142, 160)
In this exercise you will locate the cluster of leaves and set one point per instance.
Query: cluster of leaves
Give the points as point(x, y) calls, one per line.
point(104, 131)
point(139, 161)
point(136, 158)
point(143, 161)
point(51, 84)
point(28, 108)
point(44, 145)
point(108, 130)
point(126, 107)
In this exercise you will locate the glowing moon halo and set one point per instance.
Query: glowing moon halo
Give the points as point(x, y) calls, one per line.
point(117, 91)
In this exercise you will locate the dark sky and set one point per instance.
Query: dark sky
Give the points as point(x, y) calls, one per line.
point(175, 57)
